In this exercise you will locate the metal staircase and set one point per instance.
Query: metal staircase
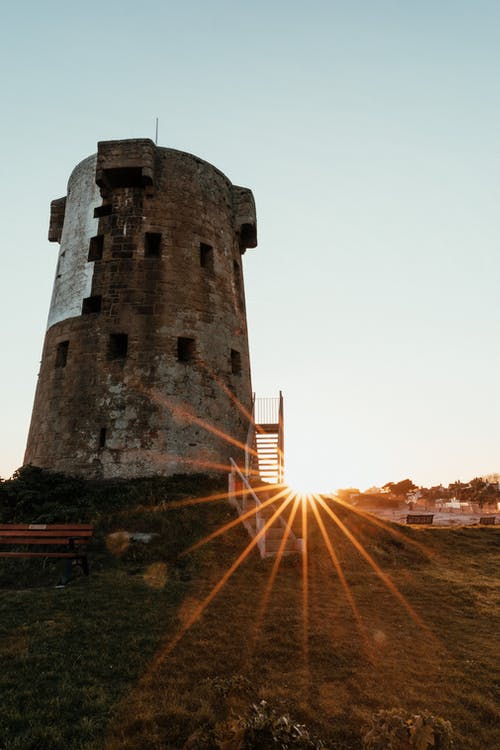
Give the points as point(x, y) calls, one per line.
point(268, 461)
point(264, 465)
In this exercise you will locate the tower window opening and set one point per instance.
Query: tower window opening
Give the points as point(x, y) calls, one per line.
point(124, 177)
point(118, 345)
point(206, 256)
point(102, 437)
point(91, 304)
point(248, 236)
point(62, 353)
point(152, 245)
point(105, 210)
point(235, 362)
point(186, 349)
point(96, 247)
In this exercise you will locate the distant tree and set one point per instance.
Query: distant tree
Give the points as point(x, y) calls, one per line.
point(347, 493)
point(400, 489)
point(481, 492)
point(377, 500)
point(457, 489)
point(492, 478)
point(435, 493)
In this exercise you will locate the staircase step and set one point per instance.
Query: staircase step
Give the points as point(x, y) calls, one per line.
point(273, 546)
point(275, 533)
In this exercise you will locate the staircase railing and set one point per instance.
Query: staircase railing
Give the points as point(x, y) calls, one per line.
point(266, 409)
point(250, 442)
point(281, 440)
point(240, 491)
point(267, 413)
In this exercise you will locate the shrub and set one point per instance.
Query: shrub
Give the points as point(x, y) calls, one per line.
point(396, 730)
point(264, 729)
point(35, 495)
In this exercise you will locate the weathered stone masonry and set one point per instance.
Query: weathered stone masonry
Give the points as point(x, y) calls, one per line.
point(147, 335)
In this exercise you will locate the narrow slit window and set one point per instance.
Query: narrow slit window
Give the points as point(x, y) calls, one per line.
point(96, 247)
point(102, 437)
point(152, 245)
point(118, 345)
point(91, 304)
point(185, 349)
point(62, 353)
point(105, 210)
point(235, 362)
point(206, 256)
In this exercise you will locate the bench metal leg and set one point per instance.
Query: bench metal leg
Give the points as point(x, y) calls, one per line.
point(85, 565)
point(67, 574)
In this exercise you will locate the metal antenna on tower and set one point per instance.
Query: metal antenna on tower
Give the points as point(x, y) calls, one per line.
point(156, 137)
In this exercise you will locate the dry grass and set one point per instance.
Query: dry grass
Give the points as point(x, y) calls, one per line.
point(327, 667)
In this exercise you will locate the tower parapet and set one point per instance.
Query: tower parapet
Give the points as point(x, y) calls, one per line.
point(146, 352)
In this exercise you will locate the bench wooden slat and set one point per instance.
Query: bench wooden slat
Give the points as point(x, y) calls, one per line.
point(41, 554)
point(72, 537)
point(46, 526)
point(420, 518)
point(44, 534)
point(47, 541)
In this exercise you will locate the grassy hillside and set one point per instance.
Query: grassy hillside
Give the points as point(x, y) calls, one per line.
point(100, 664)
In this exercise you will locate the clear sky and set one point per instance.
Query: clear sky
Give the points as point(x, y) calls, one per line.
point(368, 131)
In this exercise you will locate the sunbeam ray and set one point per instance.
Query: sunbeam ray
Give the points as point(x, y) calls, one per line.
point(386, 526)
point(371, 562)
point(230, 524)
point(186, 414)
point(212, 498)
point(305, 589)
point(340, 572)
point(229, 393)
point(274, 571)
point(222, 581)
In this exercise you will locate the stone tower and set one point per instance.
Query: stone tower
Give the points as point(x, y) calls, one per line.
point(145, 360)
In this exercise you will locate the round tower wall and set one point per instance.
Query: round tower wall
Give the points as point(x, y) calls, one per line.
point(145, 368)
point(73, 280)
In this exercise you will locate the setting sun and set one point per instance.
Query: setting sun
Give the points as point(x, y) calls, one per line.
point(301, 481)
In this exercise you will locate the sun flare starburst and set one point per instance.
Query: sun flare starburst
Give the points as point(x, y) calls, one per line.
point(316, 521)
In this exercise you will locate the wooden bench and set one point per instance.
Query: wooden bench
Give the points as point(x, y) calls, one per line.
point(419, 518)
point(65, 541)
point(487, 520)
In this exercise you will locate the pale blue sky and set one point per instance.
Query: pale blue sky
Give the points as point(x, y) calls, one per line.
point(368, 132)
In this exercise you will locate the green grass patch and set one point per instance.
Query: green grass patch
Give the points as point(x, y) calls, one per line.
point(91, 666)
